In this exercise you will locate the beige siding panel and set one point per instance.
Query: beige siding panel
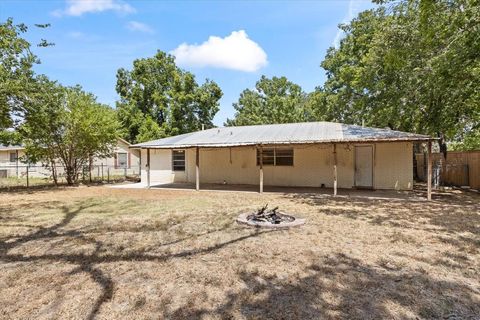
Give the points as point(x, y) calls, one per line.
point(161, 167)
point(5, 158)
point(393, 167)
point(313, 166)
point(216, 167)
point(121, 147)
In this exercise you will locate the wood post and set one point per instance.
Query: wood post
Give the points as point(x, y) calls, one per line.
point(197, 168)
point(429, 171)
point(334, 170)
point(148, 168)
point(261, 169)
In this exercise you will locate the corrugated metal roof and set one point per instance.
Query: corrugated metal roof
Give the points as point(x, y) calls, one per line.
point(288, 133)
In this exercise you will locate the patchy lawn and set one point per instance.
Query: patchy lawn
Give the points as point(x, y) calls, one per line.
point(97, 252)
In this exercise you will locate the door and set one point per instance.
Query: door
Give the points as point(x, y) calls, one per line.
point(364, 166)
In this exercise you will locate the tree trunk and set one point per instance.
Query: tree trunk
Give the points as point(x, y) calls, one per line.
point(54, 173)
point(442, 144)
point(90, 163)
point(70, 175)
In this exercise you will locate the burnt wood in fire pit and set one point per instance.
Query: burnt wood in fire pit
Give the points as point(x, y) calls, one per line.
point(272, 216)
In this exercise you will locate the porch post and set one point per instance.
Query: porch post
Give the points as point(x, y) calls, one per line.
point(197, 169)
point(261, 169)
point(429, 171)
point(148, 168)
point(334, 170)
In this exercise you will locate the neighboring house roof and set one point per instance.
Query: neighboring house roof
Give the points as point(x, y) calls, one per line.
point(124, 141)
point(10, 147)
point(19, 147)
point(288, 133)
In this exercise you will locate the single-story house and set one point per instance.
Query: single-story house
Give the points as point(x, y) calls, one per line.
point(12, 161)
point(311, 154)
point(123, 157)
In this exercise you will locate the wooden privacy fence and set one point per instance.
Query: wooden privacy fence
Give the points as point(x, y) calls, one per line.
point(461, 168)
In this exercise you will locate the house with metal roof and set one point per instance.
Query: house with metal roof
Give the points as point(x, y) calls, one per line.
point(311, 154)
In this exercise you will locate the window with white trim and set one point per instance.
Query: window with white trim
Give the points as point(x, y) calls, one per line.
point(122, 160)
point(276, 156)
point(178, 160)
point(13, 156)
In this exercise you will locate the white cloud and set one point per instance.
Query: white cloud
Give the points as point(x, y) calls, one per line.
point(79, 7)
point(138, 26)
point(236, 51)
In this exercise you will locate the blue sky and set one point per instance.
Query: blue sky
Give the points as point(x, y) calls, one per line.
point(232, 43)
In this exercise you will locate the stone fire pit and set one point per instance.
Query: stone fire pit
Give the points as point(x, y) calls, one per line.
point(264, 218)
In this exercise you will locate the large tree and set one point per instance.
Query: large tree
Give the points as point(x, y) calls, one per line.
point(16, 72)
point(275, 100)
point(66, 126)
point(409, 65)
point(157, 90)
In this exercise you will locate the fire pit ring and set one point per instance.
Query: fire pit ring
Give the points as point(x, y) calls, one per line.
point(272, 219)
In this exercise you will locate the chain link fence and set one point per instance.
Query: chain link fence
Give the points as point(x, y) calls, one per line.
point(23, 175)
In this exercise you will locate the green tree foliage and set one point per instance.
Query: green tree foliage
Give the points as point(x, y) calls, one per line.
point(408, 65)
point(66, 126)
point(149, 130)
point(156, 89)
point(16, 74)
point(274, 100)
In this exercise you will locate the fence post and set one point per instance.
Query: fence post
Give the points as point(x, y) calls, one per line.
point(98, 172)
point(28, 182)
point(125, 172)
point(102, 171)
point(16, 162)
point(108, 174)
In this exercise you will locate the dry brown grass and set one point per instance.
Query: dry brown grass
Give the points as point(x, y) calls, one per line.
point(95, 252)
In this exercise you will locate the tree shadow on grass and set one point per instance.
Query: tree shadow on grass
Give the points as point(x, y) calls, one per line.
point(450, 216)
point(339, 286)
point(86, 262)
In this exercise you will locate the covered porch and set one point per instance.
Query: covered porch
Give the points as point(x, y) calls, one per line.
point(226, 169)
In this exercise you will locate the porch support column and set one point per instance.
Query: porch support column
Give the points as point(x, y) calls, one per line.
point(429, 171)
point(197, 168)
point(148, 168)
point(261, 169)
point(334, 170)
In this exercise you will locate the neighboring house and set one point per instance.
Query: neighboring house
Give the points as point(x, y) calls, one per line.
point(123, 158)
point(314, 154)
point(10, 160)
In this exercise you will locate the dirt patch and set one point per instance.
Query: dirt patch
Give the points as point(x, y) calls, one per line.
point(96, 252)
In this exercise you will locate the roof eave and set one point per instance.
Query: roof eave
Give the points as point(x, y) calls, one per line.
point(227, 145)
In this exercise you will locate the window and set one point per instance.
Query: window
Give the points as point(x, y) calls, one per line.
point(276, 157)
point(284, 157)
point(122, 160)
point(268, 155)
point(178, 160)
point(13, 157)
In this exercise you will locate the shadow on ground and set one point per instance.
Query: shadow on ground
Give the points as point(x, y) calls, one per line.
point(86, 262)
point(342, 287)
point(336, 286)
